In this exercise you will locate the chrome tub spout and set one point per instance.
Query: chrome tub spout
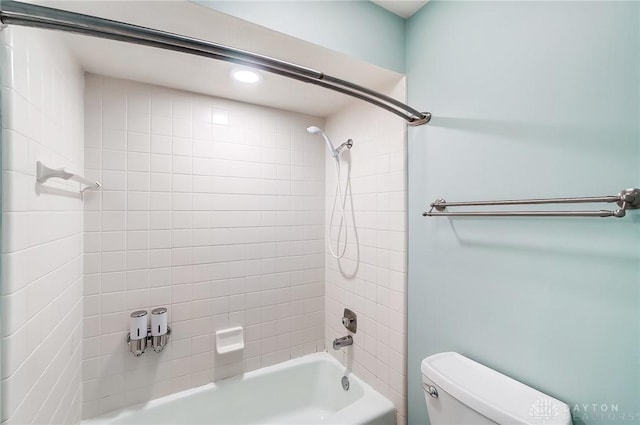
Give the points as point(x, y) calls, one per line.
point(345, 341)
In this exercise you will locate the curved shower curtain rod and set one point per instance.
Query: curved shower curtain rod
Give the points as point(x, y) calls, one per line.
point(30, 15)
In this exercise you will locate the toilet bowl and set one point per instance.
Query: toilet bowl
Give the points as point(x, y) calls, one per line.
point(459, 391)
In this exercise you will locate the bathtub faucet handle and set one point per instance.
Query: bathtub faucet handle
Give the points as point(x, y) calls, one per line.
point(350, 320)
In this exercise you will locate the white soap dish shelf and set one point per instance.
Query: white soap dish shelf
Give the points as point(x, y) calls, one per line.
point(230, 340)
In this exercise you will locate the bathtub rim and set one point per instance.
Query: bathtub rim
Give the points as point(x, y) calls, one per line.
point(381, 404)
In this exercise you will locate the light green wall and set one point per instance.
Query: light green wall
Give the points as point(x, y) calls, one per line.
point(357, 28)
point(530, 99)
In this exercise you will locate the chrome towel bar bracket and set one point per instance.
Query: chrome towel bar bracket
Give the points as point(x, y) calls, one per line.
point(627, 199)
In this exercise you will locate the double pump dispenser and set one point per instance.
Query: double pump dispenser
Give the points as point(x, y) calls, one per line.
point(142, 335)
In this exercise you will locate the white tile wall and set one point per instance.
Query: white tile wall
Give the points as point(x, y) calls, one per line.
point(42, 230)
point(212, 208)
point(371, 278)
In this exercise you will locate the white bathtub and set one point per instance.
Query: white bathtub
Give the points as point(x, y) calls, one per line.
point(306, 390)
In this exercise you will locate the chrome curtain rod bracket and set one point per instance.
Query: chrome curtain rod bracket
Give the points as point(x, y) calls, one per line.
point(31, 15)
point(420, 121)
point(627, 199)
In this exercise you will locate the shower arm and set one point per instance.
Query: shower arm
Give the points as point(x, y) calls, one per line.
point(31, 15)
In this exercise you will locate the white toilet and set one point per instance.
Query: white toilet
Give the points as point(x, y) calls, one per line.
point(460, 391)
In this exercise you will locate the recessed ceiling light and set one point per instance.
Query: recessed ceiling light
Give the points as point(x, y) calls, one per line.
point(246, 76)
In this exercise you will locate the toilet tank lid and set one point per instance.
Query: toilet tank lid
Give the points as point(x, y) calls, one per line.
point(492, 394)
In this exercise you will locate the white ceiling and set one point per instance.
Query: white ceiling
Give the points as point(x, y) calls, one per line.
point(401, 8)
point(212, 77)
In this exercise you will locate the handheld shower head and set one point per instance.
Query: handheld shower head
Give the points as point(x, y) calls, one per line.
point(317, 131)
point(339, 198)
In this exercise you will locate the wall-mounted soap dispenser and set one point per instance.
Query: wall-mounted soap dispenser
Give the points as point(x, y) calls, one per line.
point(141, 335)
point(159, 329)
point(137, 338)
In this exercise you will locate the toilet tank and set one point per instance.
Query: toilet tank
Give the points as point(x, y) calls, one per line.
point(472, 394)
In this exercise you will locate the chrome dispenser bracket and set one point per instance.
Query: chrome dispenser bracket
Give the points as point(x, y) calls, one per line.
point(137, 346)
